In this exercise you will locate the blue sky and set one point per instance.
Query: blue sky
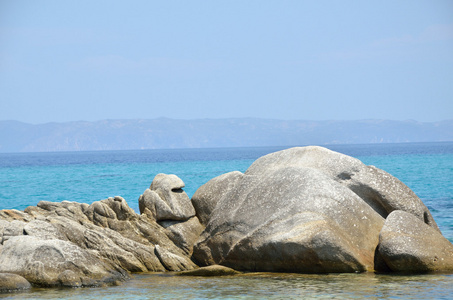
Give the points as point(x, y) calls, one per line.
point(309, 60)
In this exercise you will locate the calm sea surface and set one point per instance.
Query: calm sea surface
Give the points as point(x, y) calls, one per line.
point(27, 178)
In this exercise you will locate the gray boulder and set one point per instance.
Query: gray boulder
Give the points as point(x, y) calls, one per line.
point(206, 197)
point(43, 230)
point(380, 190)
point(409, 245)
point(165, 199)
point(13, 228)
point(56, 263)
point(184, 234)
point(307, 210)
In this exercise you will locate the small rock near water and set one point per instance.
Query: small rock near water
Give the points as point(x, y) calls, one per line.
point(12, 282)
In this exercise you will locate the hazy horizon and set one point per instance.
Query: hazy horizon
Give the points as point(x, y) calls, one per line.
point(63, 61)
point(219, 119)
point(165, 133)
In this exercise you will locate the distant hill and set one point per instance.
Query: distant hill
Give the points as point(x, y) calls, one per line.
point(205, 133)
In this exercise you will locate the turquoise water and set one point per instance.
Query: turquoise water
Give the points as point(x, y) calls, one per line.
point(27, 178)
point(262, 286)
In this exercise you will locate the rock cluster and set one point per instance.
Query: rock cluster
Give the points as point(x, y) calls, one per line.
point(313, 210)
point(307, 210)
point(74, 244)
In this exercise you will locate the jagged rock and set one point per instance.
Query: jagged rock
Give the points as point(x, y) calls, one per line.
point(172, 261)
point(43, 230)
point(109, 232)
point(169, 205)
point(214, 270)
point(206, 197)
point(12, 228)
point(55, 263)
point(409, 245)
point(70, 210)
point(165, 200)
point(307, 210)
point(184, 234)
point(13, 282)
point(109, 212)
point(71, 230)
point(14, 214)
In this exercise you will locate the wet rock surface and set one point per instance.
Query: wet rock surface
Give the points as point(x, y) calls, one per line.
point(12, 283)
point(214, 270)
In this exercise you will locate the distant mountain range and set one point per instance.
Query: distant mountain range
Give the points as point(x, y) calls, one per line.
point(166, 133)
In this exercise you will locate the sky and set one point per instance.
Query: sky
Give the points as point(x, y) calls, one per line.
point(90, 60)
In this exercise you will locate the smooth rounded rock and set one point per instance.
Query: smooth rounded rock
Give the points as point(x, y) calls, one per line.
point(409, 245)
point(12, 282)
point(214, 270)
point(208, 195)
point(305, 209)
point(166, 200)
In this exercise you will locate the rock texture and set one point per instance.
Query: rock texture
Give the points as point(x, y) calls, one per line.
point(12, 282)
point(301, 210)
point(307, 210)
point(409, 245)
point(165, 199)
point(53, 262)
point(207, 196)
point(74, 244)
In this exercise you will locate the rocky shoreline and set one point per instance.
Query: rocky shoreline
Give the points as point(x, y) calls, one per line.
point(305, 210)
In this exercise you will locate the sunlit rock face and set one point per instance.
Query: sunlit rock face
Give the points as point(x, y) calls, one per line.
point(308, 210)
point(304, 209)
point(166, 200)
point(76, 244)
point(409, 245)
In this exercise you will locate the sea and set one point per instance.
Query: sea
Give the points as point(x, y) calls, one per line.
point(27, 178)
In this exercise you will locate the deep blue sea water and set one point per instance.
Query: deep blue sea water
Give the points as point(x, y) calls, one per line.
point(27, 178)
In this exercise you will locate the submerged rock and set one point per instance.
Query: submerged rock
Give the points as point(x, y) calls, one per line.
point(307, 210)
point(214, 270)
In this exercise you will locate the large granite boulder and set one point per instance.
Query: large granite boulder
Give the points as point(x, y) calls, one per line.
point(301, 210)
point(409, 245)
point(206, 197)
